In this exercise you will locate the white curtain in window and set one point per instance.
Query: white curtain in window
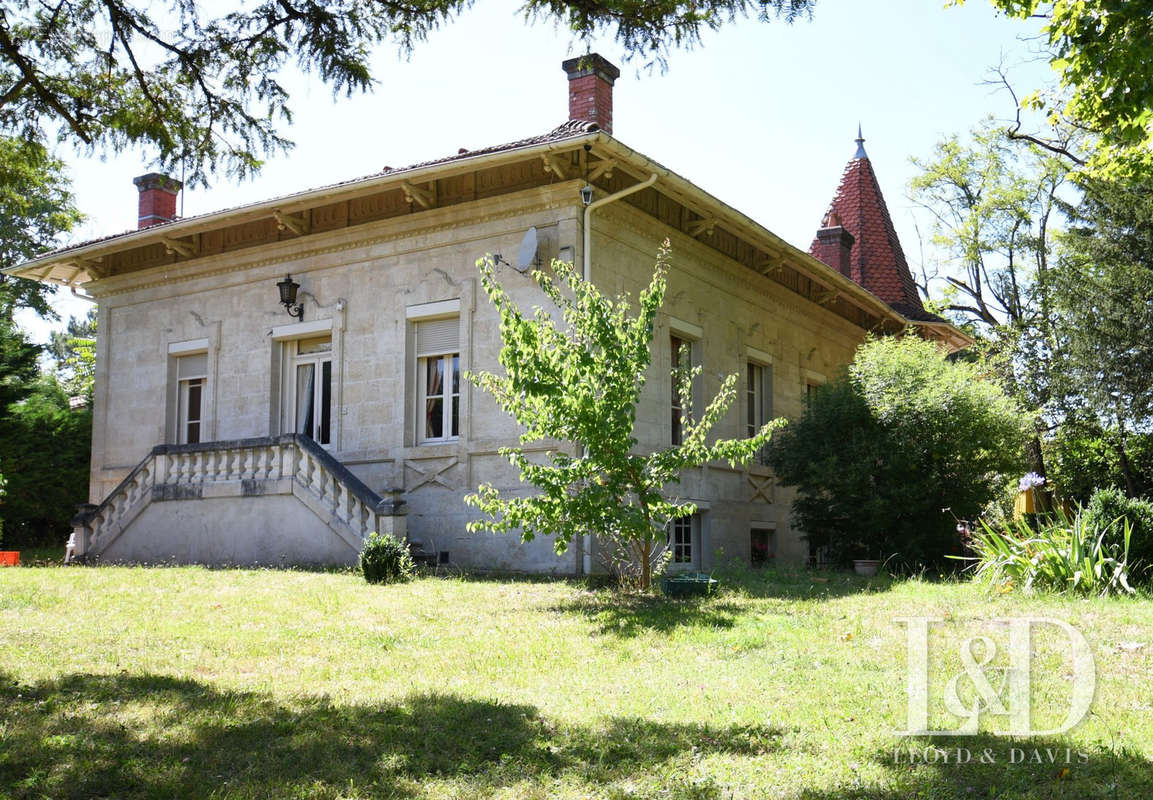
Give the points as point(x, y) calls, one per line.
point(305, 376)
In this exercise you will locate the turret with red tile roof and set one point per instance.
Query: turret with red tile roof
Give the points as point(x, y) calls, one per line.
point(875, 258)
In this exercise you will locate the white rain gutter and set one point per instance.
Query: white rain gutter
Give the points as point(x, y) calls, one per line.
point(604, 201)
point(586, 254)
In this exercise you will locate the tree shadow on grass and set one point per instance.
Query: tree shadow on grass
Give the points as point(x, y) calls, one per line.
point(130, 736)
point(785, 583)
point(987, 766)
point(631, 615)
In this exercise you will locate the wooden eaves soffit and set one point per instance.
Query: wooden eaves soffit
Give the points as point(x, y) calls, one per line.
point(468, 178)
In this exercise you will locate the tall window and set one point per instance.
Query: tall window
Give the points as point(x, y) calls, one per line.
point(682, 361)
point(758, 402)
point(810, 390)
point(309, 395)
point(681, 540)
point(438, 379)
point(191, 377)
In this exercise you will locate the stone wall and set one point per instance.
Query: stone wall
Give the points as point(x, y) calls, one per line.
point(365, 281)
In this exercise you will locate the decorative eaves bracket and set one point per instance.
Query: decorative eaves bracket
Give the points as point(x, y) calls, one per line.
point(297, 223)
point(552, 164)
point(827, 297)
point(179, 247)
point(92, 266)
point(769, 266)
point(705, 226)
point(604, 168)
point(413, 193)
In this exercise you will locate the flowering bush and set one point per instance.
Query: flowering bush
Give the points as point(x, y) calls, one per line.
point(1031, 480)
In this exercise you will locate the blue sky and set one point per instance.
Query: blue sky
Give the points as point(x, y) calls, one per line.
point(763, 116)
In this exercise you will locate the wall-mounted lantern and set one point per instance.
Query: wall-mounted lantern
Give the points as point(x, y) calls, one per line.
point(288, 289)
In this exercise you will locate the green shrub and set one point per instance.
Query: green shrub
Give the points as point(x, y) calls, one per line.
point(45, 450)
point(1108, 508)
point(1081, 458)
point(385, 559)
point(1063, 555)
point(879, 452)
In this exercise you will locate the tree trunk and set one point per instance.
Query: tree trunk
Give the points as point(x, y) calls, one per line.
point(646, 567)
point(1130, 484)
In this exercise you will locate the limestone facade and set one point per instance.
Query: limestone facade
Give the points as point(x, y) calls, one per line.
point(204, 383)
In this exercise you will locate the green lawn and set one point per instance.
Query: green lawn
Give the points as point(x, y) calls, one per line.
point(188, 682)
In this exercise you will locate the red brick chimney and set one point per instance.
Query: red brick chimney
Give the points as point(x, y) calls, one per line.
point(157, 199)
point(590, 90)
point(835, 245)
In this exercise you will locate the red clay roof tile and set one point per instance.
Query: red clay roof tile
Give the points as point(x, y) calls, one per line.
point(876, 259)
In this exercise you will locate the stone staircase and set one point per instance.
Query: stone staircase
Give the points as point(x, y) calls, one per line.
point(273, 500)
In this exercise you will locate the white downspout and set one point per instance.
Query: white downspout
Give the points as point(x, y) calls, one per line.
point(604, 201)
point(586, 254)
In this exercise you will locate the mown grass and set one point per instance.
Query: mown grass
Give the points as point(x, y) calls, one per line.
point(190, 682)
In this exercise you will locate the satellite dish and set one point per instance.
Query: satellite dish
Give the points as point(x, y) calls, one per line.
point(526, 256)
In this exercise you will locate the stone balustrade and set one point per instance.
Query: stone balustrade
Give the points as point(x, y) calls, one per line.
point(290, 464)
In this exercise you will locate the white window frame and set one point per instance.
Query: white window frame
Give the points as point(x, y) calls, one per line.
point(691, 335)
point(680, 358)
point(684, 534)
point(451, 358)
point(294, 360)
point(184, 422)
point(179, 390)
point(449, 396)
point(285, 358)
point(758, 405)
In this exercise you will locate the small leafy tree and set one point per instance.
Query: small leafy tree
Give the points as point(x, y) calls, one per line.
point(880, 453)
point(579, 383)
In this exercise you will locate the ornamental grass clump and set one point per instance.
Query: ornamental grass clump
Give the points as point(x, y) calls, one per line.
point(385, 559)
point(1062, 555)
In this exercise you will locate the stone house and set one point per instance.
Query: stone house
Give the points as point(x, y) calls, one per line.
point(275, 381)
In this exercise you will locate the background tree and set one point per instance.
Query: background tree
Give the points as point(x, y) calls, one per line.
point(1103, 295)
point(578, 383)
point(1100, 50)
point(202, 91)
point(880, 452)
point(992, 201)
point(36, 207)
point(44, 449)
point(19, 364)
point(44, 455)
point(1082, 456)
point(74, 350)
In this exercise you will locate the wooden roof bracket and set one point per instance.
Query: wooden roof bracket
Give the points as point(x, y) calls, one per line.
point(297, 223)
point(603, 168)
point(553, 164)
point(697, 227)
point(413, 193)
point(92, 266)
point(180, 247)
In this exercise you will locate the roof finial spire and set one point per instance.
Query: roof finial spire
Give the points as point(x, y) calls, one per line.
point(860, 140)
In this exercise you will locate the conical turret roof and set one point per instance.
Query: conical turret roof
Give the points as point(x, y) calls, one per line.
point(877, 261)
